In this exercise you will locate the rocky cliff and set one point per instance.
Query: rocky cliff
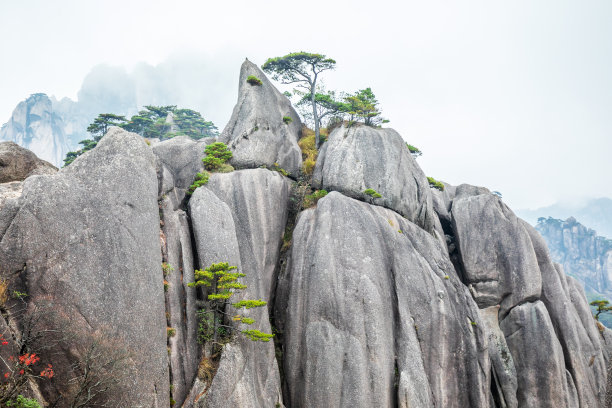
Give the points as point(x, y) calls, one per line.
point(418, 298)
point(583, 254)
point(35, 126)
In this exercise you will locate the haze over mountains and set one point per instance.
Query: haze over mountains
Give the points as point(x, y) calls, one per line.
point(108, 89)
point(594, 213)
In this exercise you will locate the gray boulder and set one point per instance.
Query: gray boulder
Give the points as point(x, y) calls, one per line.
point(365, 299)
point(85, 244)
point(496, 253)
point(178, 161)
point(361, 157)
point(17, 163)
point(240, 218)
point(256, 133)
point(538, 356)
point(574, 326)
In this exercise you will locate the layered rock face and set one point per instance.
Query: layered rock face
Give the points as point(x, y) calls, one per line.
point(264, 128)
point(583, 254)
point(35, 126)
point(420, 298)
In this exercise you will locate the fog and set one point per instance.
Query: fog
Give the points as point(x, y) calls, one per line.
point(514, 96)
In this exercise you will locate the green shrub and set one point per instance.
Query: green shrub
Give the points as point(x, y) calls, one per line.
point(372, 193)
point(167, 268)
point(216, 155)
point(23, 402)
point(253, 80)
point(309, 151)
point(199, 181)
point(287, 119)
point(414, 150)
point(225, 168)
point(435, 184)
point(278, 168)
point(171, 331)
point(311, 199)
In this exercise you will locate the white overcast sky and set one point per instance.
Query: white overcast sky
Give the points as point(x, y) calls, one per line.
point(512, 95)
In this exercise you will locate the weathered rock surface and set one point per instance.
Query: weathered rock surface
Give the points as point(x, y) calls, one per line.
point(497, 257)
point(361, 157)
point(256, 132)
point(179, 159)
point(574, 327)
point(240, 218)
point(86, 241)
point(35, 126)
point(367, 297)
point(538, 357)
point(17, 163)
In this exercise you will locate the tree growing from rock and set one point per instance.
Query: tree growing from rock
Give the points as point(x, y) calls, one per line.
point(303, 69)
point(222, 281)
point(364, 105)
point(601, 306)
point(100, 125)
point(326, 102)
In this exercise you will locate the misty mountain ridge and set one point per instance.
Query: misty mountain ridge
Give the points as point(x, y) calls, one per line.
point(109, 89)
point(596, 213)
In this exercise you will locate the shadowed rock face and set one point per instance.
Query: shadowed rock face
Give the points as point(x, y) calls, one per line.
point(86, 241)
point(361, 157)
point(17, 163)
point(240, 218)
point(256, 132)
point(366, 309)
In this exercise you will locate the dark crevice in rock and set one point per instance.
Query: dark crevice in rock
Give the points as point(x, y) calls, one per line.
point(296, 198)
point(396, 331)
point(496, 390)
point(164, 252)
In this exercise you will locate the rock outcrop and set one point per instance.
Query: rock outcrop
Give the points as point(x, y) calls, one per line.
point(419, 298)
point(366, 299)
point(583, 254)
point(84, 244)
point(264, 128)
point(35, 126)
point(361, 157)
point(521, 292)
point(17, 163)
point(240, 218)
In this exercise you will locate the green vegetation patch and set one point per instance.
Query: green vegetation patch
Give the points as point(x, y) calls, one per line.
point(311, 199)
point(372, 193)
point(216, 155)
point(200, 180)
point(414, 151)
point(253, 80)
point(435, 184)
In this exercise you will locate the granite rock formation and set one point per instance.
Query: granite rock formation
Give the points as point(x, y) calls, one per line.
point(258, 133)
point(420, 298)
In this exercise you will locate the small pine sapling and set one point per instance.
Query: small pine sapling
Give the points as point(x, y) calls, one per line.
point(222, 279)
